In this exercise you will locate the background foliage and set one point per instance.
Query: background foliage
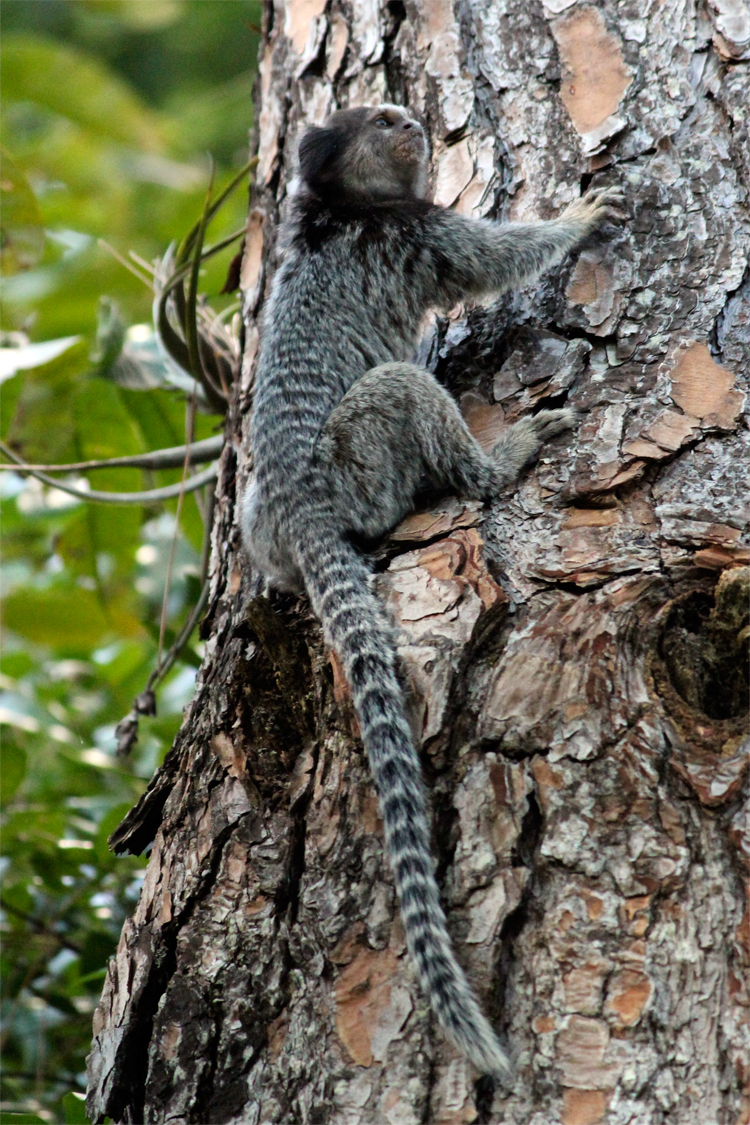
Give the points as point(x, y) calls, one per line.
point(108, 109)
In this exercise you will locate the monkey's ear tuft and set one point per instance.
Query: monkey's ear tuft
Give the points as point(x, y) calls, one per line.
point(317, 152)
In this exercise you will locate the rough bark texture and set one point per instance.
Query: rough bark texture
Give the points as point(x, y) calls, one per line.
point(575, 654)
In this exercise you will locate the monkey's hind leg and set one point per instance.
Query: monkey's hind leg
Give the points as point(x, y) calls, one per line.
point(397, 430)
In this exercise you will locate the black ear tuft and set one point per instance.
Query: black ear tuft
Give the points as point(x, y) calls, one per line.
point(317, 151)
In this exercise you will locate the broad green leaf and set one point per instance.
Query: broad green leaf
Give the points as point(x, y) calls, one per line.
point(74, 1108)
point(66, 617)
point(101, 539)
point(22, 227)
point(46, 398)
point(75, 85)
point(160, 417)
point(12, 769)
point(98, 947)
point(134, 13)
point(17, 664)
point(217, 121)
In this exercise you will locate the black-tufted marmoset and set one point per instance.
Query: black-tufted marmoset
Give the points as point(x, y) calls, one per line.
point(346, 430)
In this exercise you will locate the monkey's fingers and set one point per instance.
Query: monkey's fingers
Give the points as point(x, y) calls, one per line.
point(594, 208)
point(606, 203)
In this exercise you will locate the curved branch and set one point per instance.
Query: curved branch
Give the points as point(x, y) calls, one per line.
point(208, 449)
point(150, 496)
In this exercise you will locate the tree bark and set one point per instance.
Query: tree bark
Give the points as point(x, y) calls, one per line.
point(574, 655)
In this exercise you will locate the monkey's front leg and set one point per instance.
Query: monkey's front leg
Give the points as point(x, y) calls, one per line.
point(475, 256)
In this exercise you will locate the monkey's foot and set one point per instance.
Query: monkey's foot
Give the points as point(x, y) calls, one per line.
point(522, 441)
point(547, 423)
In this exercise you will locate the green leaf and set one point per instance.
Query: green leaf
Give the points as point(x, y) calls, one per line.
point(12, 769)
point(98, 947)
point(75, 85)
point(136, 14)
point(22, 227)
point(74, 1108)
point(66, 617)
point(45, 393)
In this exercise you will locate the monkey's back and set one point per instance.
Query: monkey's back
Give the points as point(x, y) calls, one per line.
point(348, 296)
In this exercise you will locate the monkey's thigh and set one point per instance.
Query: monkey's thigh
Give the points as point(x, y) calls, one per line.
point(266, 549)
point(397, 430)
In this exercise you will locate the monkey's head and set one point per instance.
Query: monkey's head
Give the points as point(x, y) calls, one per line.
point(365, 154)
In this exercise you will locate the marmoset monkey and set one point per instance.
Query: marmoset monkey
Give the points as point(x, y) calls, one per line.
point(345, 431)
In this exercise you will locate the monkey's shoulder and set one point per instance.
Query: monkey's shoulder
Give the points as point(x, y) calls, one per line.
point(317, 224)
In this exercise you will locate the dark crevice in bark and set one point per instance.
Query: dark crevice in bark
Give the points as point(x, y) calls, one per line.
point(703, 652)
point(500, 1003)
point(530, 836)
point(394, 70)
point(221, 1095)
point(127, 1102)
point(275, 701)
point(575, 588)
point(268, 14)
point(482, 344)
point(206, 1092)
point(700, 664)
point(484, 1095)
point(287, 896)
point(138, 830)
point(525, 852)
point(552, 402)
point(486, 643)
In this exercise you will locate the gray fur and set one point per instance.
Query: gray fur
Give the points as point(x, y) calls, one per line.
point(345, 430)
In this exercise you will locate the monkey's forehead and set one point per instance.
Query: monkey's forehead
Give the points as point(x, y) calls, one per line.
point(364, 113)
point(389, 107)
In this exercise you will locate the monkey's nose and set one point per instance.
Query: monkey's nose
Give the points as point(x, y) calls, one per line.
point(412, 125)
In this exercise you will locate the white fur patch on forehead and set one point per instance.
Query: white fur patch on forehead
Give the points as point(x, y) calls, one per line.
point(392, 110)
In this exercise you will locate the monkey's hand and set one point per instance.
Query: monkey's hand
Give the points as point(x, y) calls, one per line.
point(596, 207)
point(522, 441)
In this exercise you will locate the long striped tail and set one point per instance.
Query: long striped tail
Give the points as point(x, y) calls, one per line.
point(356, 625)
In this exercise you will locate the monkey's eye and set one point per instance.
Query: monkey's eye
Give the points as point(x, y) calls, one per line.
point(382, 122)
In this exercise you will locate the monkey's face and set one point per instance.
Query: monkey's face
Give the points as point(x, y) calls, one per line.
point(366, 154)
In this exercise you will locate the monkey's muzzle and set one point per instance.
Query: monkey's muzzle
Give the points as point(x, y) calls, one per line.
point(410, 146)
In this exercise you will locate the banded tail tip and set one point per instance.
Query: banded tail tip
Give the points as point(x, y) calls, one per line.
point(494, 1062)
point(481, 1046)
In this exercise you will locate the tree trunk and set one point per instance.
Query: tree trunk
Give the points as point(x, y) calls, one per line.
point(575, 654)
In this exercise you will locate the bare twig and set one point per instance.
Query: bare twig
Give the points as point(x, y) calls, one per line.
point(198, 453)
point(126, 731)
point(124, 262)
point(139, 261)
point(151, 496)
